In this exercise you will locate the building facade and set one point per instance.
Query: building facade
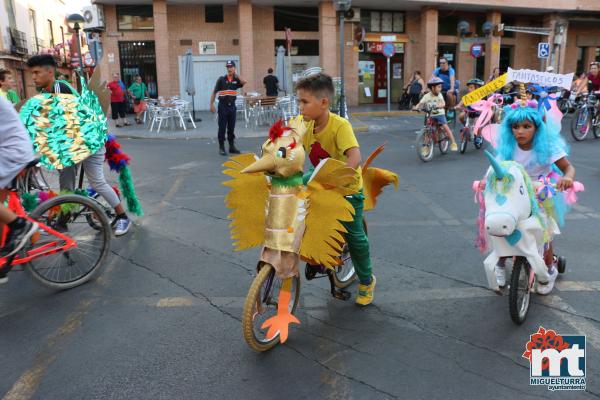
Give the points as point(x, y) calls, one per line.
point(149, 37)
point(30, 27)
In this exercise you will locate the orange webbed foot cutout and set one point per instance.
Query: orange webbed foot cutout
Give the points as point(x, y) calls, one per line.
point(280, 322)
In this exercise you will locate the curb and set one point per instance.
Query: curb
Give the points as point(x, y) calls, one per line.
point(383, 113)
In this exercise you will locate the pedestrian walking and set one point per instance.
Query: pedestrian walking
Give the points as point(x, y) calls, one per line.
point(226, 89)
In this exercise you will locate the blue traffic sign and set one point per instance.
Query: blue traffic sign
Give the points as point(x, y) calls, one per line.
point(388, 50)
point(477, 50)
point(543, 50)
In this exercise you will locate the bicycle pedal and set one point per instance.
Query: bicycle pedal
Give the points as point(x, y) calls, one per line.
point(342, 295)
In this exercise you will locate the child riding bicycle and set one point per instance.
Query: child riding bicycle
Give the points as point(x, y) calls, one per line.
point(526, 136)
point(15, 154)
point(435, 100)
point(472, 84)
point(43, 68)
point(330, 135)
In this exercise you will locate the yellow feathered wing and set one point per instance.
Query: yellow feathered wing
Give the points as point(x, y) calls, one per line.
point(326, 209)
point(375, 179)
point(248, 198)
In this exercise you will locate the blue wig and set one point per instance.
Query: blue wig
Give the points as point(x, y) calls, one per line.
point(546, 140)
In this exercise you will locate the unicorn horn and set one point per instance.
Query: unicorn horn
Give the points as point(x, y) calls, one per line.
point(498, 169)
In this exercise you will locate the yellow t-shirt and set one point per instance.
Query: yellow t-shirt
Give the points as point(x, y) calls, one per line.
point(332, 142)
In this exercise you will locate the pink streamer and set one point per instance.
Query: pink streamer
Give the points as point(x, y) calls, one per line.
point(570, 193)
point(481, 240)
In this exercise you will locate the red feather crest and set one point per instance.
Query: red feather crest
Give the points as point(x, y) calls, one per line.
point(277, 129)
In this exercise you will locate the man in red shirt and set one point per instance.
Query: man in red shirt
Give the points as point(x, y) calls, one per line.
point(117, 101)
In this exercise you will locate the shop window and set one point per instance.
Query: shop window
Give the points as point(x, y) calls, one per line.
point(299, 19)
point(509, 20)
point(213, 14)
point(382, 21)
point(300, 47)
point(135, 17)
point(581, 53)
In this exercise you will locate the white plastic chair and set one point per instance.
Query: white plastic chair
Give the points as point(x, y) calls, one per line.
point(240, 105)
point(185, 108)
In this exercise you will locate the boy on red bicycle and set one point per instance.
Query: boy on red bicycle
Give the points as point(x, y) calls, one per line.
point(15, 154)
point(435, 99)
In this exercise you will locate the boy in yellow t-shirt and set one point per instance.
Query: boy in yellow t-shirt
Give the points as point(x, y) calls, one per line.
point(331, 136)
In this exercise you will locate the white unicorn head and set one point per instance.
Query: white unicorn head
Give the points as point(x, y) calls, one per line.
point(507, 198)
point(512, 219)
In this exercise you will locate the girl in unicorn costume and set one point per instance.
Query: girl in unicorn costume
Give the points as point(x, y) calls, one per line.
point(525, 194)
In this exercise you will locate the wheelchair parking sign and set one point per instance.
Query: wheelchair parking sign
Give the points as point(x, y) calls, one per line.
point(543, 50)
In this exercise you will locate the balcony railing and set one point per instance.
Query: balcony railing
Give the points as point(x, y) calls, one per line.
point(18, 42)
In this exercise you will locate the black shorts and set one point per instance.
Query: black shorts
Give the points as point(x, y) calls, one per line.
point(117, 109)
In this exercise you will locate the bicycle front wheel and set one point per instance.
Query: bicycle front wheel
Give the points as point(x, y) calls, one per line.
point(464, 139)
point(520, 292)
point(261, 304)
point(345, 273)
point(69, 215)
point(424, 145)
point(582, 122)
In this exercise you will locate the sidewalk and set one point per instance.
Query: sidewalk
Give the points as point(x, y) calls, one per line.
point(208, 127)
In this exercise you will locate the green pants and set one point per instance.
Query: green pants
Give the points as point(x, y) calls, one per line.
point(357, 240)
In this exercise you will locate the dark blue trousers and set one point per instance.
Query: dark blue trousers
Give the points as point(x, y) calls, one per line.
point(227, 114)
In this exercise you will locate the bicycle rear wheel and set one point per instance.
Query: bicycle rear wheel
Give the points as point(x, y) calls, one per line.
point(261, 304)
point(581, 124)
point(444, 143)
point(66, 269)
point(520, 292)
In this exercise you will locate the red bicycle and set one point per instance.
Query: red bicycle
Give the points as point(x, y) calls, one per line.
point(431, 134)
point(73, 239)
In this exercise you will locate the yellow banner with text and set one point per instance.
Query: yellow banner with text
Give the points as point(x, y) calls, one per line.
point(485, 90)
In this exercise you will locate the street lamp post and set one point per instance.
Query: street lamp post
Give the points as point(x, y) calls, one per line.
point(73, 21)
point(342, 6)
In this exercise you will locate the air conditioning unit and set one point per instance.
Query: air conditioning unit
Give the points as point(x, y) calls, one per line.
point(94, 18)
point(352, 15)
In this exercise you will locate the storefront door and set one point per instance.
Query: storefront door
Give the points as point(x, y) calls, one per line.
point(380, 92)
point(139, 58)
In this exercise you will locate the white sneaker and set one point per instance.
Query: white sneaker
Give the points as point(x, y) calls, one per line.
point(546, 288)
point(122, 226)
point(500, 275)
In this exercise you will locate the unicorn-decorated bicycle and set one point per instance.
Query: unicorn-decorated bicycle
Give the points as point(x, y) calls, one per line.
point(272, 208)
point(519, 215)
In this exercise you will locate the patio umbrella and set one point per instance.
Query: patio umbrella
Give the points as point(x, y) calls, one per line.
point(281, 70)
point(190, 86)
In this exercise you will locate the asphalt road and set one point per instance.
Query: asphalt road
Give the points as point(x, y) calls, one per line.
point(163, 321)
